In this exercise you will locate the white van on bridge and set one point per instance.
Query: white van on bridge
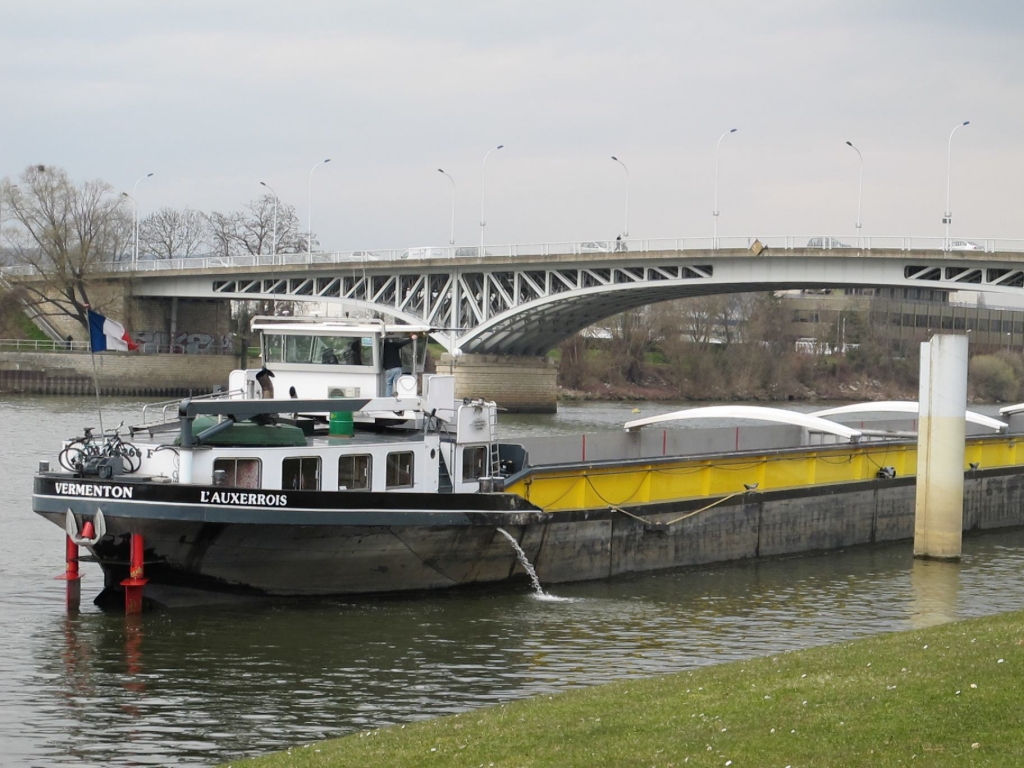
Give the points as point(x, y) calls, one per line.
point(426, 252)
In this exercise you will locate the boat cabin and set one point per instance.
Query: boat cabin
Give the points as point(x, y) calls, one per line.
point(313, 358)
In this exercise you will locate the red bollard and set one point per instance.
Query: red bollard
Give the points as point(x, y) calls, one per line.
point(135, 581)
point(71, 577)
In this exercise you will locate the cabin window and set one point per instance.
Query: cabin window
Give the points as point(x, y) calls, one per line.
point(239, 473)
point(343, 350)
point(272, 349)
point(399, 470)
point(301, 473)
point(298, 349)
point(354, 473)
point(474, 462)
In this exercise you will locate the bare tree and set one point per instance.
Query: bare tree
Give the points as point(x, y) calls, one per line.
point(65, 231)
point(173, 233)
point(697, 318)
point(255, 230)
point(222, 231)
point(633, 336)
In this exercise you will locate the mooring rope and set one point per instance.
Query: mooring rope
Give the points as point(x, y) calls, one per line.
point(680, 518)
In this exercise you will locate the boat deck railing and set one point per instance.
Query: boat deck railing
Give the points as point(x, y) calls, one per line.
point(166, 421)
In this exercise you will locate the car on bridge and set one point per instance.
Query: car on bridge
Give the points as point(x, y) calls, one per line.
point(594, 247)
point(827, 242)
point(965, 245)
point(426, 252)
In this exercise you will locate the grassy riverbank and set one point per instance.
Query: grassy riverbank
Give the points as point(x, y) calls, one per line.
point(947, 695)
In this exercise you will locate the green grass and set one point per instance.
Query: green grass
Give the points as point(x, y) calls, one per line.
point(30, 329)
point(948, 695)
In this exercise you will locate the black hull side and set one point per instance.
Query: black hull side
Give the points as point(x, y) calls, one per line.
point(302, 550)
point(307, 543)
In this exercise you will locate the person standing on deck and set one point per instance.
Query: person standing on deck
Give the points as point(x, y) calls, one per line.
point(392, 362)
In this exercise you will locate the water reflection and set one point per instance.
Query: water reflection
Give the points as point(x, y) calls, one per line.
point(936, 586)
point(199, 686)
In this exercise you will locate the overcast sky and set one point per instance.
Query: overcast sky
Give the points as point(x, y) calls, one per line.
point(215, 97)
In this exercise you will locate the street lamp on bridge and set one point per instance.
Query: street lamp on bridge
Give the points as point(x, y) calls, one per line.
point(483, 184)
point(451, 237)
point(273, 245)
point(714, 213)
point(135, 216)
point(625, 226)
point(309, 238)
point(947, 217)
point(860, 188)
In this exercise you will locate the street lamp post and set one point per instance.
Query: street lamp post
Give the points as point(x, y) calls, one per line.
point(309, 239)
point(483, 185)
point(625, 226)
point(451, 237)
point(714, 213)
point(947, 217)
point(273, 245)
point(860, 189)
point(135, 211)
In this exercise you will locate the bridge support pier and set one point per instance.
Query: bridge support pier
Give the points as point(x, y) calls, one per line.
point(517, 383)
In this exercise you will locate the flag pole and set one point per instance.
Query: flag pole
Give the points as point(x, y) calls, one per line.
point(95, 377)
point(96, 384)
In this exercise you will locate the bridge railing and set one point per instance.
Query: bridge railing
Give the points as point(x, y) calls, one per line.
point(578, 247)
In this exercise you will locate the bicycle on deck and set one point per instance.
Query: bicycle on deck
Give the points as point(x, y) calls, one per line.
point(74, 456)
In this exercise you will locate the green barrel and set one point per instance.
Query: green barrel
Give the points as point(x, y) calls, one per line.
point(341, 424)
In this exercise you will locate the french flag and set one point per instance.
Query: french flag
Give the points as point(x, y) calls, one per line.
point(106, 334)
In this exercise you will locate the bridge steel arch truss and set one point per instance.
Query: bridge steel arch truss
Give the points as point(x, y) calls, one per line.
point(527, 306)
point(464, 300)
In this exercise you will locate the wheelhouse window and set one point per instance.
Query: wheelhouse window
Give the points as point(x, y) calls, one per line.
point(474, 462)
point(343, 350)
point(298, 349)
point(239, 473)
point(399, 470)
point(355, 472)
point(301, 473)
point(273, 348)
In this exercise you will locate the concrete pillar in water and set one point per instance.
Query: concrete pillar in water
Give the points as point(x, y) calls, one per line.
point(939, 515)
point(517, 383)
point(935, 589)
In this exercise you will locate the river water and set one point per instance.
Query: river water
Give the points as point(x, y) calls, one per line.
point(199, 686)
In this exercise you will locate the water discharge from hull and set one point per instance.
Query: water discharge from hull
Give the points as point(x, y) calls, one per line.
point(538, 590)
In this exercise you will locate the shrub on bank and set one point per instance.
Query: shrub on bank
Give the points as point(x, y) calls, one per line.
point(993, 378)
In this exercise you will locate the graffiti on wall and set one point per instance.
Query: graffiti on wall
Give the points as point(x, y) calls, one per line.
point(186, 343)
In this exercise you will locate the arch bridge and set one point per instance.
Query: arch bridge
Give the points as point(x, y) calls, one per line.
point(524, 300)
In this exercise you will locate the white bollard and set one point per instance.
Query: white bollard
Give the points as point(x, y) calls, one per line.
point(942, 403)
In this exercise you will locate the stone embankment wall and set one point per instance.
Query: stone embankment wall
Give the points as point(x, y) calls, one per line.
point(129, 373)
point(516, 383)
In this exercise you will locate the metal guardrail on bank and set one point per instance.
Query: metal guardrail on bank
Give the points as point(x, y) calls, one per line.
point(579, 247)
point(33, 345)
point(146, 348)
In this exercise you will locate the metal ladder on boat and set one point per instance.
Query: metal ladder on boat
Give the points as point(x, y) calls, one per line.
point(494, 456)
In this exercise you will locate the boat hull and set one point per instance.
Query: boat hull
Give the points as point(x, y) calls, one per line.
point(306, 543)
point(350, 543)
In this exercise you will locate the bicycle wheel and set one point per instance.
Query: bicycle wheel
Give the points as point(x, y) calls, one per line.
point(130, 455)
point(73, 455)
